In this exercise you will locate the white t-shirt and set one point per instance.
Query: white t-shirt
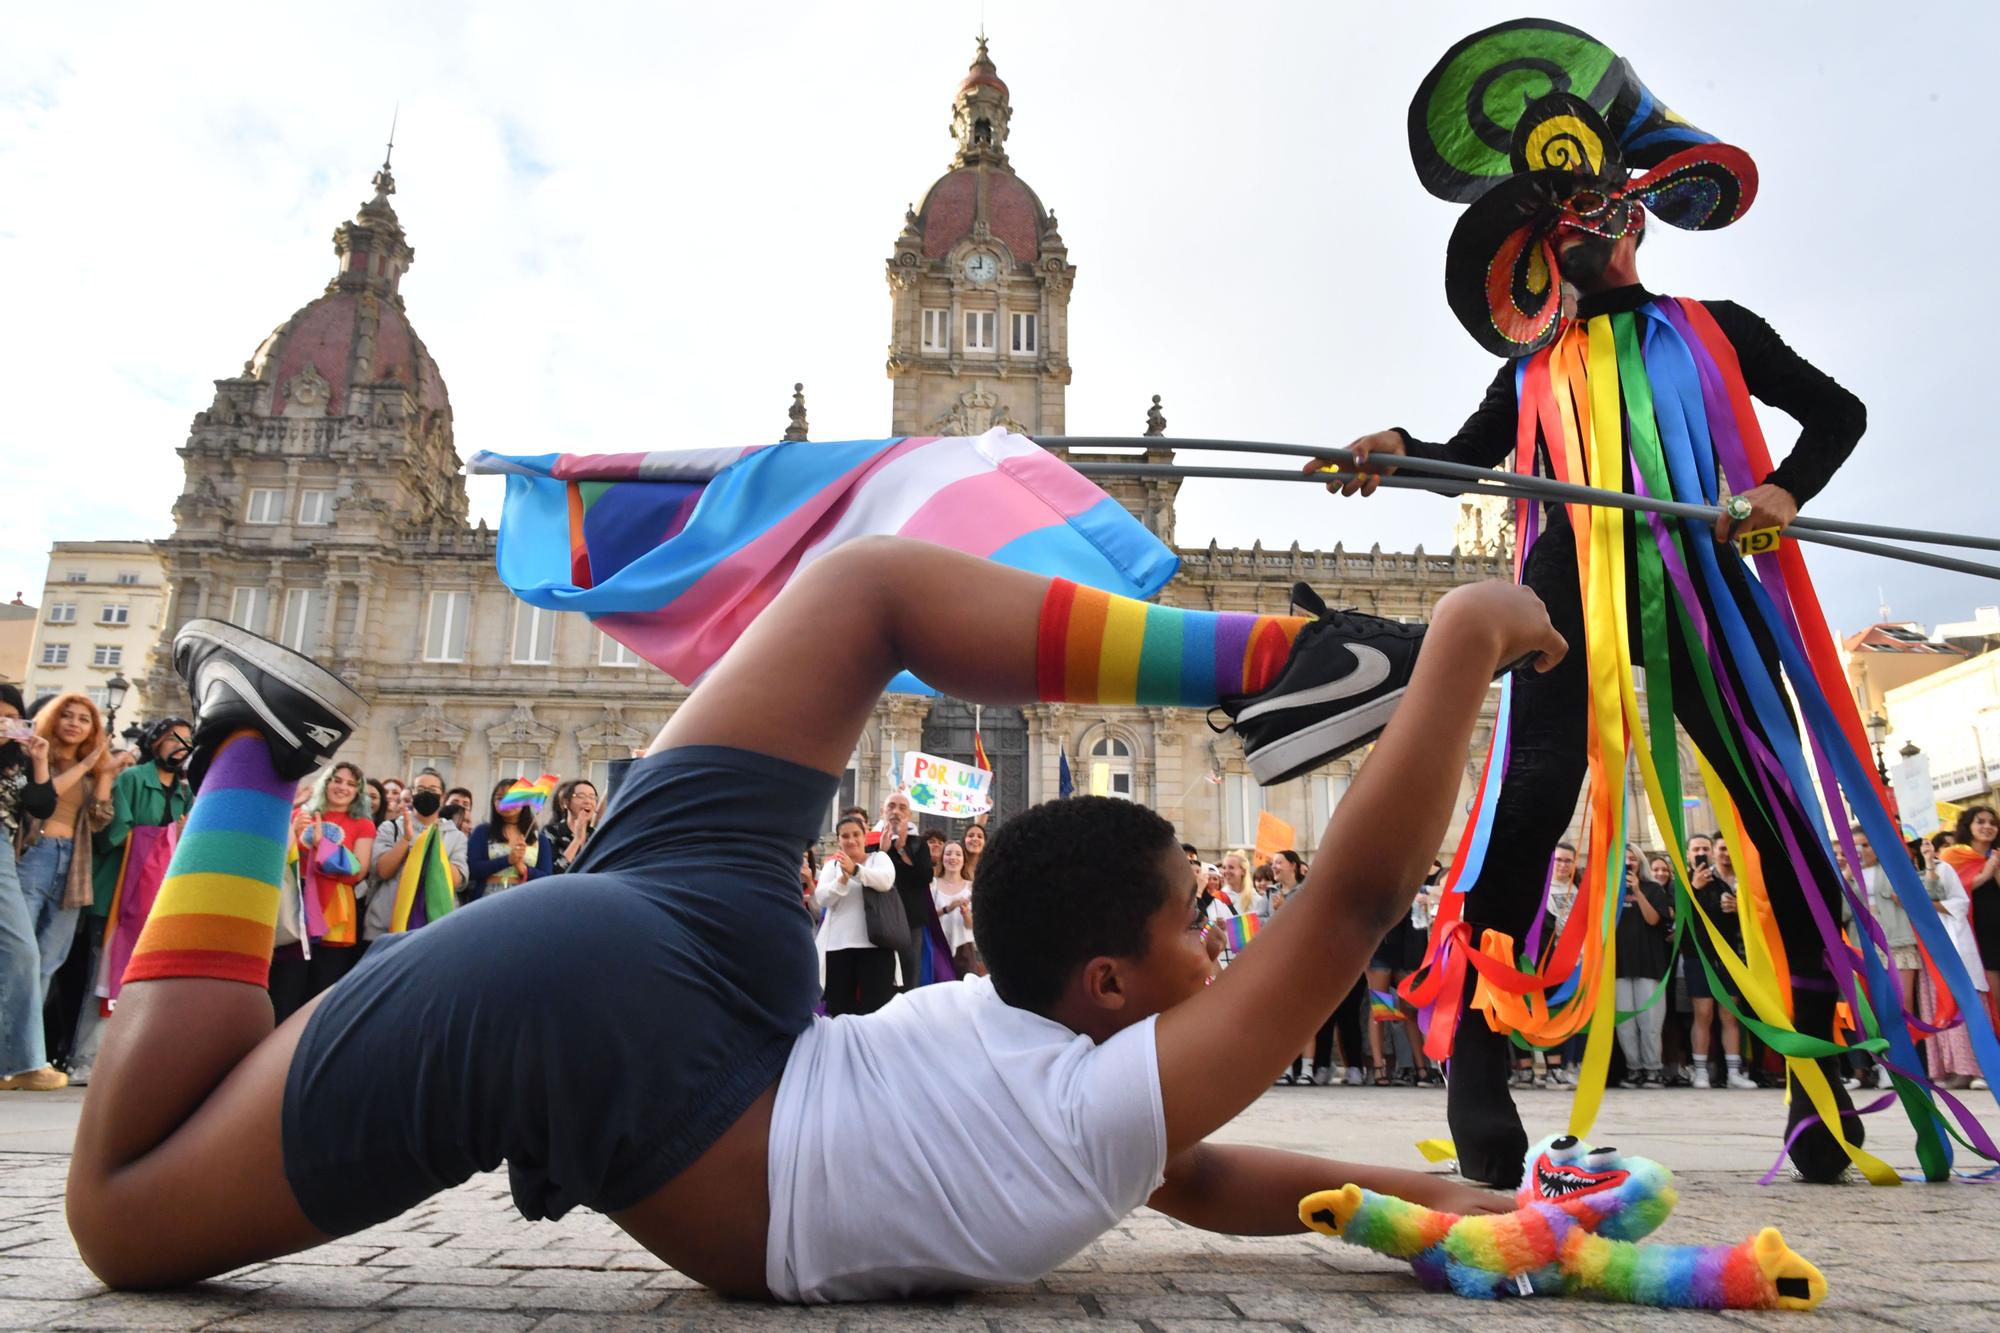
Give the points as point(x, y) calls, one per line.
point(956, 933)
point(950, 1140)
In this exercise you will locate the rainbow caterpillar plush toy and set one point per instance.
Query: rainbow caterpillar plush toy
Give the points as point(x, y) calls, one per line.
point(1580, 1210)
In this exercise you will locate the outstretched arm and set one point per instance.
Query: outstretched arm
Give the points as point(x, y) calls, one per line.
point(1247, 1191)
point(1220, 1050)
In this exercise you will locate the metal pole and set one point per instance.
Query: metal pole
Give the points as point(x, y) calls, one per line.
point(1467, 472)
point(1511, 486)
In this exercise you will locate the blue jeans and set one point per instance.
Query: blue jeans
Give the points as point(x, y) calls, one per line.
point(44, 879)
point(21, 1044)
point(89, 1023)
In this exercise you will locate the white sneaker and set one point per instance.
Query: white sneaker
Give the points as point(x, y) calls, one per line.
point(1323, 1076)
point(1738, 1081)
point(1701, 1076)
point(1562, 1077)
point(1353, 1077)
point(1977, 1085)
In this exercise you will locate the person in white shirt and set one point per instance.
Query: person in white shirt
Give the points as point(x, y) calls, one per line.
point(860, 978)
point(951, 894)
point(636, 1037)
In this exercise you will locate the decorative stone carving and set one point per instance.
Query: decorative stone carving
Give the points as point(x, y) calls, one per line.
point(431, 733)
point(797, 429)
point(521, 736)
point(307, 390)
point(611, 736)
point(1485, 526)
point(977, 411)
point(1156, 420)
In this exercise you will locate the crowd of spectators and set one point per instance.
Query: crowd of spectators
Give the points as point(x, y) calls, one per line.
point(88, 829)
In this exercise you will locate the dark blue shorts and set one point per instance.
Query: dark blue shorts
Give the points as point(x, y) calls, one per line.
point(597, 1031)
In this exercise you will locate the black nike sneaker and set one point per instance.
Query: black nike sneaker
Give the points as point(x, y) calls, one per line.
point(239, 680)
point(1346, 674)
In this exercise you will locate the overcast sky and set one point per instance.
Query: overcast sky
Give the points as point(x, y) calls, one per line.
point(636, 227)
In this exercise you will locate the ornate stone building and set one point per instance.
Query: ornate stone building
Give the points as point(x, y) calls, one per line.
point(324, 506)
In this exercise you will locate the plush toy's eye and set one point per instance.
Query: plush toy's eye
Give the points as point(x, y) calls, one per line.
point(1599, 1158)
point(1566, 1149)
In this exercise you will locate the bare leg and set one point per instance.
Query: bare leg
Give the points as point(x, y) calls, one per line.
point(1378, 979)
point(753, 698)
point(179, 1168)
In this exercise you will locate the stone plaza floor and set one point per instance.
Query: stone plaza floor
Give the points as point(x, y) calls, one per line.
point(1918, 1257)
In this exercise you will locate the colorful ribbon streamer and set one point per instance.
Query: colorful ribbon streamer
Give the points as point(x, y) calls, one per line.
point(1654, 400)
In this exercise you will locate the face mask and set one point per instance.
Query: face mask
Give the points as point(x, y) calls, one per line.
point(426, 803)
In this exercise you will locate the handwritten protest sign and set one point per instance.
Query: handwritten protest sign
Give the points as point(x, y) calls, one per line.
point(945, 786)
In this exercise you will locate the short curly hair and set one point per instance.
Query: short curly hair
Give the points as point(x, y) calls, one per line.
point(1066, 882)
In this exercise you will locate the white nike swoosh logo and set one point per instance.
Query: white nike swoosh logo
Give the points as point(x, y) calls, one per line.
point(1371, 668)
point(225, 673)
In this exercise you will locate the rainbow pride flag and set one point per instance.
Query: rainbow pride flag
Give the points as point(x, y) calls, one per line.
point(673, 554)
point(526, 795)
point(1238, 931)
point(423, 890)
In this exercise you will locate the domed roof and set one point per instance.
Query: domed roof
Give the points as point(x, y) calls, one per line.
point(983, 73)
point(967, 194)
point(343, 339)
point(357, 334)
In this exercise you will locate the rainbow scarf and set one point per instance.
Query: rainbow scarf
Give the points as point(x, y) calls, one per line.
point(327, 874)
point(526, 795)
point(423, 890)
point(1666, 376)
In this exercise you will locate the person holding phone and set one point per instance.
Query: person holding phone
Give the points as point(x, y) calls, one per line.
point(1716, 896)
point(55, 855)
point(26, 794)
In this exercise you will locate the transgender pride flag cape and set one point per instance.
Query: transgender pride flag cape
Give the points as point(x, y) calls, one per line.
point(673, 554)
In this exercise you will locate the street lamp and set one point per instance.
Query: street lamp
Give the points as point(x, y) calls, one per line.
point(1878, 731)
point(115, 691)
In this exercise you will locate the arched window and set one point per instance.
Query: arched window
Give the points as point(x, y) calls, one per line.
point(1111, 768)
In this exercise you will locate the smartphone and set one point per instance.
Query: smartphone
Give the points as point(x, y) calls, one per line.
point(15, 729)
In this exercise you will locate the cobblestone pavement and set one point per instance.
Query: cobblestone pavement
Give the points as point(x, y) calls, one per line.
point(1920, 1257)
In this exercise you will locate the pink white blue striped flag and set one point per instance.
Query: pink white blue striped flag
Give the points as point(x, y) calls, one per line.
point(673, 554)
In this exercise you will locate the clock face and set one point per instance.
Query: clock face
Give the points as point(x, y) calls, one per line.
point(982, 268)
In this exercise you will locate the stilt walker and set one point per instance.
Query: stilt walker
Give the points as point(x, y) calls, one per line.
point(1560, 153)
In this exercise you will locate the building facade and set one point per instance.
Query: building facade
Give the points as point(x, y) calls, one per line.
point(324, 506)
point(103, 608)
point(1953, 717)
point(18, 622)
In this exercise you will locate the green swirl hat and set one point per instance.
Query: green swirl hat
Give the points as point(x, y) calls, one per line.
point(1463, 118)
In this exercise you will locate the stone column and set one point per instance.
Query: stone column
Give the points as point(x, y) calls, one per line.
point(1169, 781)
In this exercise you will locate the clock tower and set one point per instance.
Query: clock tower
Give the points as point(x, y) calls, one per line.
point(979, 288)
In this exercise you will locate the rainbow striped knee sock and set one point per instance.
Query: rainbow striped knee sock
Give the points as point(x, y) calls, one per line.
point(218, 907)
point(1093, 647)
